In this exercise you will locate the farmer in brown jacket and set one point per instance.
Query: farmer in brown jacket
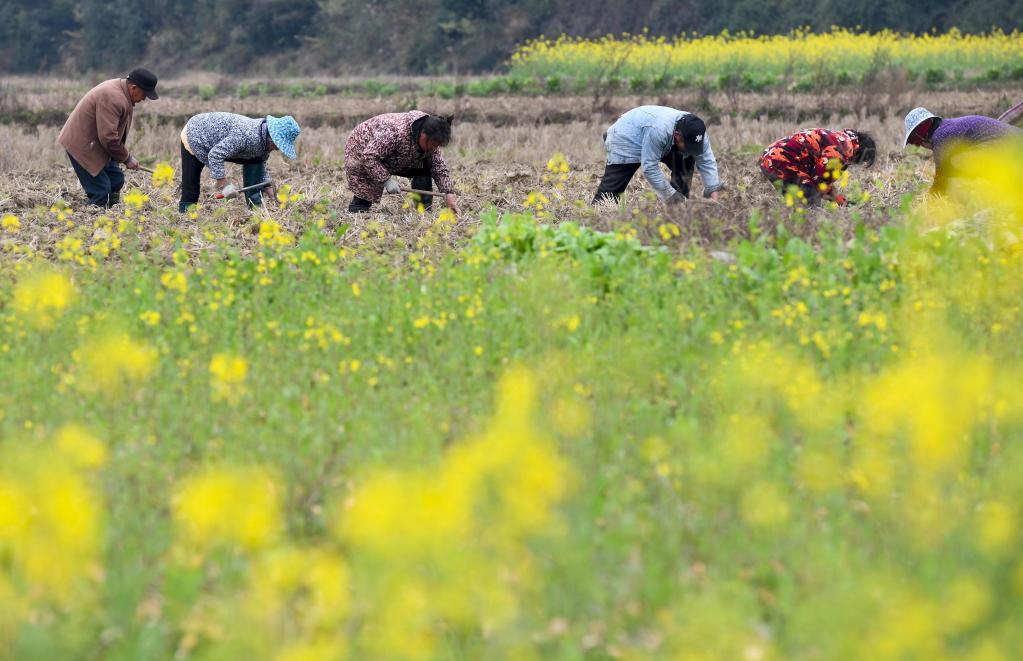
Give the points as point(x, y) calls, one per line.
point(404, 144)
point(95, 133)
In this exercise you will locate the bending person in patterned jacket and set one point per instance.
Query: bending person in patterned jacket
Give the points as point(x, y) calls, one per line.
point(808, 164)
point(403, 144)
point(213, 138)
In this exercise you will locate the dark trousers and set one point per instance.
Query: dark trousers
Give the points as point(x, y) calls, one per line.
point(617, 177)
point(253, 172)
point(811, 194)
point(420, 178)
point(103, 190)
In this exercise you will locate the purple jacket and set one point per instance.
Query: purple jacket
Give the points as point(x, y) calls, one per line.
point(969, 130)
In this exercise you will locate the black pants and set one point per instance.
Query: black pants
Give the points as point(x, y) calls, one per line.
point(617, 177)
point(103, 190)
point(420, 178)
point(253, 172)
point(811, 194)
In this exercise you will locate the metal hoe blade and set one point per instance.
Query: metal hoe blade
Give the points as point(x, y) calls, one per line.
point(264, 184)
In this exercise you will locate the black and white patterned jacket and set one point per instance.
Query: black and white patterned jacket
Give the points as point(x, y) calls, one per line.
point(218, 136)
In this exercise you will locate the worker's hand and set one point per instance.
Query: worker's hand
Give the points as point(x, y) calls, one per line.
point(228, 192)
point(131, 163)
point(391, 186)
point(452, 203)
point(676, 198)
point(716, 196)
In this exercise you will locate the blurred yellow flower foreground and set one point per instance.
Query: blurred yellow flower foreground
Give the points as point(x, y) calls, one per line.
point(415, 554)
point(287, 452)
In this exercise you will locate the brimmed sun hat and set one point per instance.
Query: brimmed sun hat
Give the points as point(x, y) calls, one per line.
point(283, 131)
point(915, 118)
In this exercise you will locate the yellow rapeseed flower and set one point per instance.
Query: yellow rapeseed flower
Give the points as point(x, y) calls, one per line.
point(937, 399)
point(150, 318)
point(997, 528)
point(163, 175)
point(10, 223)
point(839, 50)
point(134, 199)
point(80, 447)
point(233, 506)
point(439, 537)
point(42, 297)
point(175, 280)
point(298, 601)
point(228, 373)
point(285, 197)
point(112, 360)
point(51, 518)
point(271, 235)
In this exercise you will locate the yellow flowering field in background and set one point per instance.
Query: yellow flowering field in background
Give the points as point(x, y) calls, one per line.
point(838, 56)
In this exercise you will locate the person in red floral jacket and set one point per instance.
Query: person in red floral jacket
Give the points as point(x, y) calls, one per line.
point(813, 160)
point(403, 144)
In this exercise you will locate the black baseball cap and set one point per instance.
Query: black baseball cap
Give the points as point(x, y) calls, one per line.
point(145, 80)
point(694, 132)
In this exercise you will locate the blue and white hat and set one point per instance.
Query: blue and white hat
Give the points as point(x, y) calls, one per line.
point(283, 131)
point(915, 118)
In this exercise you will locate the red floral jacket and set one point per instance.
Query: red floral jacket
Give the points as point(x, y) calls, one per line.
point(806, 157)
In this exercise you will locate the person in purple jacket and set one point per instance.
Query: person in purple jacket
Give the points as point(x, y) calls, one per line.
point(925, 129)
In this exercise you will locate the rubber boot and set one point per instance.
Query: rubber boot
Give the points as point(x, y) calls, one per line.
point(424, 182)
point(252, 174)
point(359, 205)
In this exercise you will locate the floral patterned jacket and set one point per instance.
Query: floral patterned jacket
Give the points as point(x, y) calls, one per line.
point(805, 157)
point(382, 146)
point(215, 137)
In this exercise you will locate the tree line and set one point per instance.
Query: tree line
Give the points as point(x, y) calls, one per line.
point(354, 37)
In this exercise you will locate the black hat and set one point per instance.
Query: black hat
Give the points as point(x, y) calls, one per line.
point(145, 80)
point(694, 132)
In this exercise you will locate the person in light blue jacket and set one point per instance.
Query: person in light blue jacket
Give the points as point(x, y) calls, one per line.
point(650, 135)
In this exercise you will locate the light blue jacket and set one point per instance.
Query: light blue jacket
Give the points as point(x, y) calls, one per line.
point(644, 135)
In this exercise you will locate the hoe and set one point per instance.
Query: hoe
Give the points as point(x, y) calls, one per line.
point(230, 196)
point(220, 196)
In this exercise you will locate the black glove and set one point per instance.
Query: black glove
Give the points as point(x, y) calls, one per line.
point(676, 198)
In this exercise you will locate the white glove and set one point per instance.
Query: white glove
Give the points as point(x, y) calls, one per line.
point(229, 192)
point(391, 186)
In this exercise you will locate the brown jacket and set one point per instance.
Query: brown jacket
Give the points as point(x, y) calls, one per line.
point(98, 126)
